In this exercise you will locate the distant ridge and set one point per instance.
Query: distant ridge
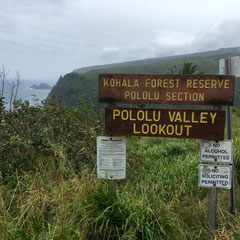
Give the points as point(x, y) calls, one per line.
point(221, 51)
point(82, 83)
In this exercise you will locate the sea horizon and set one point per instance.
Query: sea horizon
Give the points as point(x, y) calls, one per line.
point(26, 93)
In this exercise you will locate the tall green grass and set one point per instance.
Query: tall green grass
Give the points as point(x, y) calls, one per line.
point(56, 195)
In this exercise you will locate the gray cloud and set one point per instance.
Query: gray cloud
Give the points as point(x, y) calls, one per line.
point(52, 37)
point(226, 34)
point(110, 54)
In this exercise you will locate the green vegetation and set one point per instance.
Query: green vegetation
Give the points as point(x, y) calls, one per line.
point(188, 68)
point(49, 189)
point(84, 82)
point(48, 184)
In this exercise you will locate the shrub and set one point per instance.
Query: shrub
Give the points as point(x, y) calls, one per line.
point(30, 132)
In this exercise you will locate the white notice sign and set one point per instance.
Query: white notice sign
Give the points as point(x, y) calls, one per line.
point(218, 176)
point(222, 66)
point(235, 66)
point(111, 157)
point(220, 152)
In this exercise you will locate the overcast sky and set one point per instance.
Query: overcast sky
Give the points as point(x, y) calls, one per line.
point(48, 38)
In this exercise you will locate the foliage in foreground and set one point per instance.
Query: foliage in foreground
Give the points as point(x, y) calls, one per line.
point(49, 189)
point(33, 132)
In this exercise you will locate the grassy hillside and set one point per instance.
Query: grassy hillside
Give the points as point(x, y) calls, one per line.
point(224, 52)
point(49, 189)
point(83, 82)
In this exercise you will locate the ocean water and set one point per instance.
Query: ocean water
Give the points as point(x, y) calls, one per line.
point(27, 93)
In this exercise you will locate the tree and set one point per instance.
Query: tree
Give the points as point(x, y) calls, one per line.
point(3, 80)
point(8, 90)
point(188, 68)
point(14, 86)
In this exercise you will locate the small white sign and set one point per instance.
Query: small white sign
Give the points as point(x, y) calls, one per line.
point(219, 152)
point(111, 157)
point(235, 66)
point(218, 176)
point(222, 66)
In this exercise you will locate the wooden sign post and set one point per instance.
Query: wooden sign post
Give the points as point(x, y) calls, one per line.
point(215, 90)
point(230, 66)
point(212, 213)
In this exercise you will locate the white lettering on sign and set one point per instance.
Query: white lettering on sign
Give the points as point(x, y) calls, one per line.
point(111, 157)
point(221, 151)
point(219, 176)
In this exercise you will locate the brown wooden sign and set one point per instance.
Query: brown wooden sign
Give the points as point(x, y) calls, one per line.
point(167, 89)
point(176, 123)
